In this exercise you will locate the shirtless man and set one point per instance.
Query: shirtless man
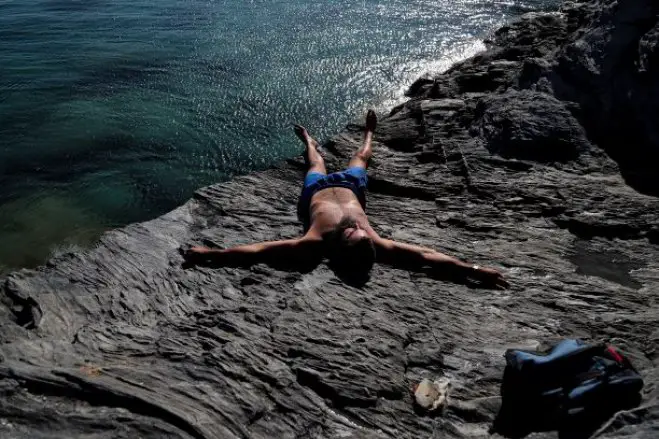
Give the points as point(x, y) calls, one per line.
point(332, 210)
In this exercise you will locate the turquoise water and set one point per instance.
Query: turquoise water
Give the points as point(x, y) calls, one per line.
point(114, 111)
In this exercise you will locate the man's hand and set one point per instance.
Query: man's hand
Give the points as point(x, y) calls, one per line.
point(489, 277)
point(196, 255)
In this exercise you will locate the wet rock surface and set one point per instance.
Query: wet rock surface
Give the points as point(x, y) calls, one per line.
point(538, 156)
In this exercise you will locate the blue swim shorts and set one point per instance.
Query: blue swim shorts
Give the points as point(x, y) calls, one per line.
point(354, 178)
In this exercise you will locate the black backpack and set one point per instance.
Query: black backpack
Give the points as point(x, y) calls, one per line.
point(573, 387)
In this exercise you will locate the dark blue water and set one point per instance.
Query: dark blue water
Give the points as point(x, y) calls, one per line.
point(114, 111)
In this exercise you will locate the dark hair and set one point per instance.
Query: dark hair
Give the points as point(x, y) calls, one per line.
point(350, 257)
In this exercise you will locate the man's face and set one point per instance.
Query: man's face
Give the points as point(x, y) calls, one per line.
point(354, 234)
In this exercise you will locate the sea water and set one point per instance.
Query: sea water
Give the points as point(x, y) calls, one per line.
point(114, 111)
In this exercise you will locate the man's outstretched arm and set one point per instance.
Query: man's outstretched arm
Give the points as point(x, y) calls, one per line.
point(412, 256)
point(290, 251)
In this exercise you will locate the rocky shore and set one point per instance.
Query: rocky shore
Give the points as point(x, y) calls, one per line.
point(538, 156)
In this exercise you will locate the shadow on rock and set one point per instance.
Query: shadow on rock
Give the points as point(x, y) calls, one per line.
point(350, 277)
point(347, 276)
point(346, 273)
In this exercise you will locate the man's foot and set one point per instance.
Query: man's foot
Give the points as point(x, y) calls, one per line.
point(304, 136)
point(371, 121)
point(313, 156)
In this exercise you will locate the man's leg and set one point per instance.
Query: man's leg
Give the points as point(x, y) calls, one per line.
point(313, 158)
point(363, 155)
